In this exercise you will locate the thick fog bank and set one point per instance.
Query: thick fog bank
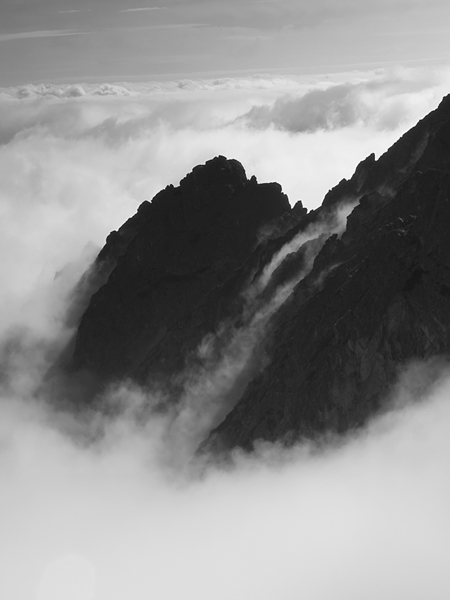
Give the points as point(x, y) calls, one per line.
point(97, 509)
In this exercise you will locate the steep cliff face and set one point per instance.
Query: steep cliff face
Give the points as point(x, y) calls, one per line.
point(342, 296)
point(383, 299)
point(338, 345)
point(425, 146)
point(169, 271)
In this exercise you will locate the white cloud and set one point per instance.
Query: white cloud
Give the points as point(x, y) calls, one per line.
point(94, 506)
point(382, 102)
point(252, 119)
point(48, 89)
point(77, 160)
point(368, 518)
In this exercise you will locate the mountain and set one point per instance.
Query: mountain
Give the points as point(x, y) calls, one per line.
point(168, 275)
point(310, 315)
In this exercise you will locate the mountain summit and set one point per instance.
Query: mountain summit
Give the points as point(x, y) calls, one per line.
point(301, 320)
point(171, 270)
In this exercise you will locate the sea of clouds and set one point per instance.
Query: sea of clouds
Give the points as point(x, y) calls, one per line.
point(101, 507)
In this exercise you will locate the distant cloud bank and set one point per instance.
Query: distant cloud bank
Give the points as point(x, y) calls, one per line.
point(307, 134)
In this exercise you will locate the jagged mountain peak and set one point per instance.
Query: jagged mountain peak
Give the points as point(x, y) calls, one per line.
point(422, 147)
point(308, 316)
point(169, 269)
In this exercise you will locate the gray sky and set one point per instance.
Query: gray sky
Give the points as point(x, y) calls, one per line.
point(81, 40)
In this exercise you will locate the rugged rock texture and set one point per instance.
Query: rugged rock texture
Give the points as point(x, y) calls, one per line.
point(364, 299)
point(425, 146)
point(337, 347)
point(170, 270)
point(385, 299)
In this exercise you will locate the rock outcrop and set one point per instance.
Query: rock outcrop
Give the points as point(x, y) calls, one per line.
point(170, 271)
point(338, 346)
point(360, 286)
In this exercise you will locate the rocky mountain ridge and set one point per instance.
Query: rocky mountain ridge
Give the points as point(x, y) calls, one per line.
point(168, 272)
point(327, 304)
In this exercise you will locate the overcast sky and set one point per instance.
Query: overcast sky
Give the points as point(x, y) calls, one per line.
point(81, 40)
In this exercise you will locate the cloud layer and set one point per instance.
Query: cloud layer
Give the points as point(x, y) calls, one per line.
point(97, 507)
point(382, 103)
point(365, 518)
point(77, 160)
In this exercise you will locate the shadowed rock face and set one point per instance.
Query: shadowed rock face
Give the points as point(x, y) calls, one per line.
point(171, 269)
point(338, 346)
point(365, 298)
point(384, 299)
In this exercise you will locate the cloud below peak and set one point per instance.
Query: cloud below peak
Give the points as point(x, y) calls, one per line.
point(89, 505)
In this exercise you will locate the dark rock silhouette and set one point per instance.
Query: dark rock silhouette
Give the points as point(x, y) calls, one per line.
point(364, 299)
point(338, 348)
point(171, 269)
